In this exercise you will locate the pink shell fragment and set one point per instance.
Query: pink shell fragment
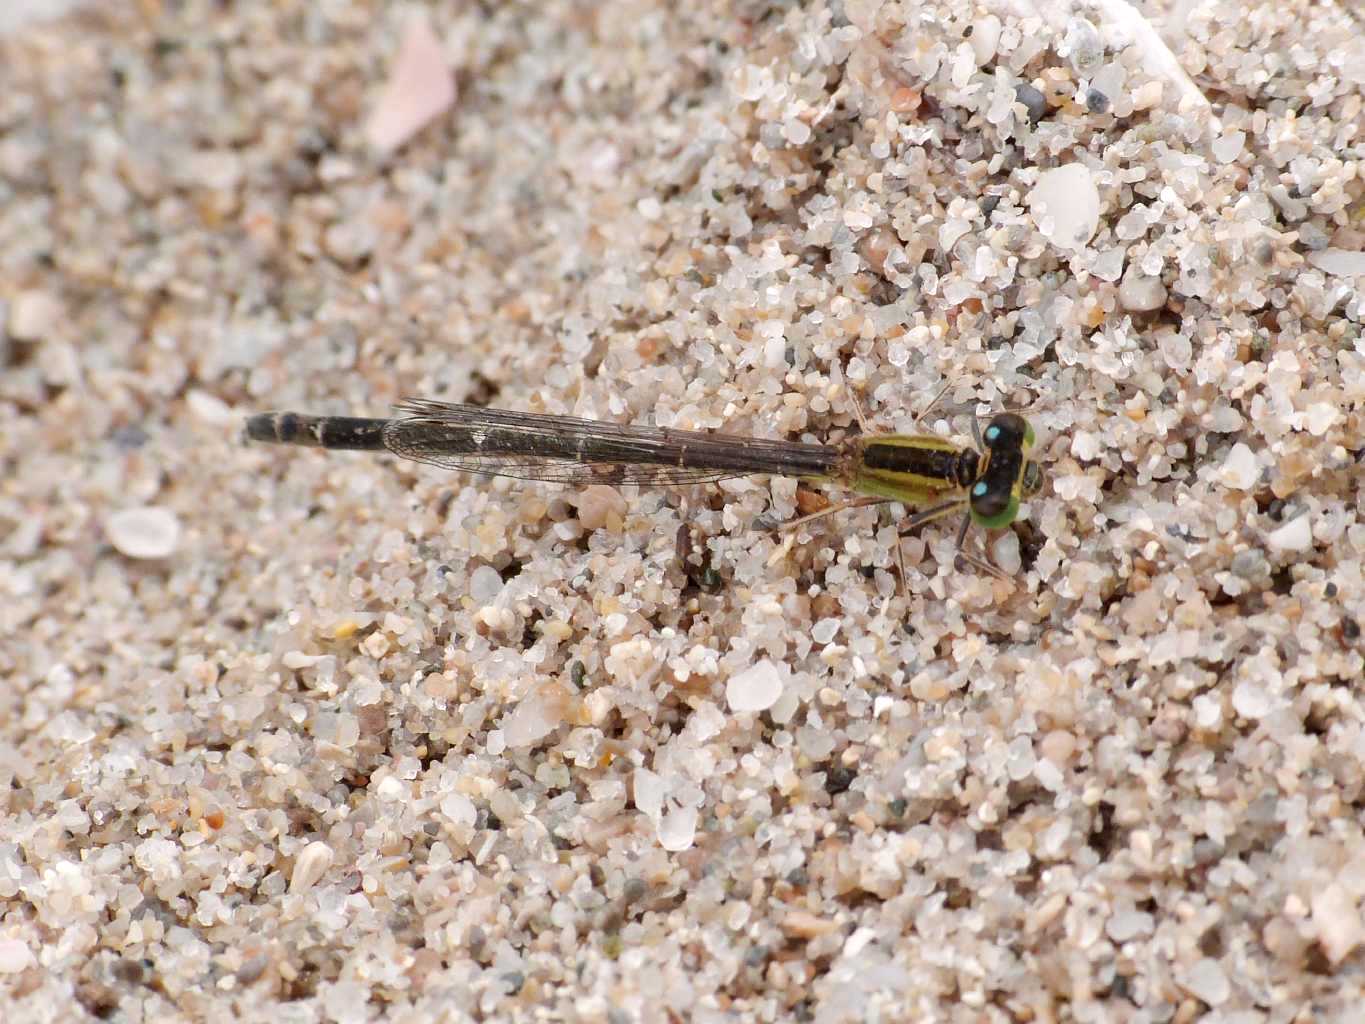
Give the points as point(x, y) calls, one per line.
point(420, 88)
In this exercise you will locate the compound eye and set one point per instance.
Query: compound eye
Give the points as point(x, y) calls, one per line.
point(987, 503)
point(994, 509)
point(1005, 431)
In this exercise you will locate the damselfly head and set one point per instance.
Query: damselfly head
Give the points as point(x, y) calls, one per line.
point(1009, 475)
point(1007, 431)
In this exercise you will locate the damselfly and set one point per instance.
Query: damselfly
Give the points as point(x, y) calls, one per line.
point(986, 483)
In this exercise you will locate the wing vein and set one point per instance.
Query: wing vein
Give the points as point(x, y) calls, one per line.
point(568, 449)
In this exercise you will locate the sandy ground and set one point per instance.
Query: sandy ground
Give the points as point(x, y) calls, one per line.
point(293, 735)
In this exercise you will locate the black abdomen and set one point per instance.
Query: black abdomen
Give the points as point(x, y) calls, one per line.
point(347, 432)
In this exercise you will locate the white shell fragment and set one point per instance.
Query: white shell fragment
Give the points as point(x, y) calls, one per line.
point(309, 866)
point(1066, 205)
point(1295, 535)
point(1339, 262)
point(757, 688)
point(150, 532)
point(1239, 470)
point(677, 829)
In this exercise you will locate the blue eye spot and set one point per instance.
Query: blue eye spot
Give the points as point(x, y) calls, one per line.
point(979, 489)
point(992, 433)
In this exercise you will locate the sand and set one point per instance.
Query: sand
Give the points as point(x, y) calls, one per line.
point(293, 735)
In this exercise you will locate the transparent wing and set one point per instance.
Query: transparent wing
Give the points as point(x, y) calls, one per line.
point(529, 467)
point(566, 449)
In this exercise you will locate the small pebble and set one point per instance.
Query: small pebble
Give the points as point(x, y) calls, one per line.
point(817, 744)
point(1128, 924)
point(150, 532)
point(985, 39)
point(824, 631)
point(34, 315)
point(1148, 95)
point(1108, 266)
point(1058, 746)
point(1321, 417)
point(1228, 146)
point(350, 241)
point(800, 924)
point(459, 809)
point(1035, 103)
point(798, 132)
point(1006, 554)
point(391, 789)
point(1337, 918)
point(649, 791)
point(1207, 980)
point(1066, 205)
point(539, 713)
point(1139, 293)
point(485, 584)
point(1250, 565)
point(1082, 45)
point(600, 506)
point(1208, 712)
point(1312, 237)
point(1251, 701)
point(15, 956)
